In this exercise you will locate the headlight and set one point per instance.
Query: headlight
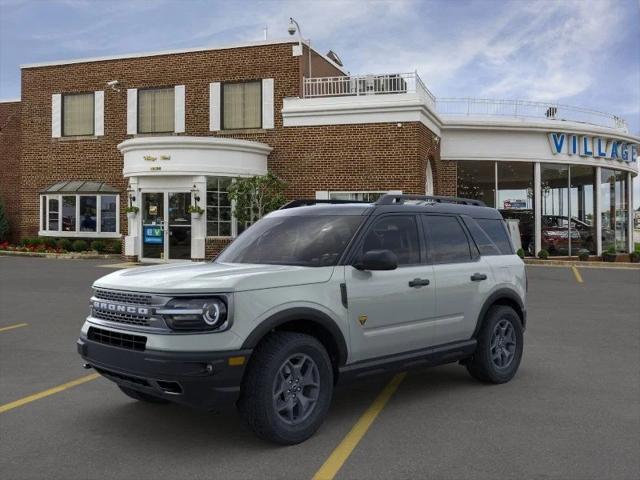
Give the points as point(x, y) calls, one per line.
point(195, 314)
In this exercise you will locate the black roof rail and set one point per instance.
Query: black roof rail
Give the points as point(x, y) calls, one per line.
point(305, 202)
point(400, 199)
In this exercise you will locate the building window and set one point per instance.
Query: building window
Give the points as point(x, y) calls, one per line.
point(615, 210)
point(156, 110)
point(515, 194)
point(242, 105)
point(75, 215)
point(477, 180)
point(357, 196)
point(219, 212)
point(78, 114)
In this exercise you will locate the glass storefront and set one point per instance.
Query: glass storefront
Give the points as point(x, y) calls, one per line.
point(568, 203)
point(615, 210)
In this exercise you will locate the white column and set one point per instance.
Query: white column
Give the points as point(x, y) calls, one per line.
point(199, 226)
point(537, 207)
point(598, 211)
point(630, 212)
point(132, 241)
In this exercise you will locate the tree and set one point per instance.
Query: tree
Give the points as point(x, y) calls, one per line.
point(4, 223)
point(256, 196)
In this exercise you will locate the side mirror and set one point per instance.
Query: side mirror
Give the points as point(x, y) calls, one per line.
point(377, 260)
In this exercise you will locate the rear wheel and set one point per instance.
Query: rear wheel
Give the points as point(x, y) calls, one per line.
point(141, 396)
point(287, 388)
point(500, 345)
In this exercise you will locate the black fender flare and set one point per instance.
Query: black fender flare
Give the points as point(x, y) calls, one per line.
point(300, 314)
point(501, 294)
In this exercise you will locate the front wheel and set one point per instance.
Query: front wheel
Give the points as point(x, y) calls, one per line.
point(500, 345)
point(287, 388)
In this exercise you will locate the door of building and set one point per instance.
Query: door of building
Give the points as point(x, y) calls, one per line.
point(166, 226)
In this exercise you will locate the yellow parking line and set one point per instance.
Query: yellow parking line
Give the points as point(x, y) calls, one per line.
point(342, 452)
point(11, 327)
point(37, 396)
point(576, 274)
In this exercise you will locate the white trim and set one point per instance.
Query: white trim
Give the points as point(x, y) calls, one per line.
point(537, 207)
point(598, 210)
point(47, 233)
point(214, 107)
point(56, 115)
point(132, 111)
point(428, 184)
point(322, 195)
point(77, 233)
point(10, 100)
point(98, 113)
point(179, 101)
point(630, 213)
point(268, 108)
point(156, 53)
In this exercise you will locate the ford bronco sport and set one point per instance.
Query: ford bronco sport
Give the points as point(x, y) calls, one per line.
point(314, 294)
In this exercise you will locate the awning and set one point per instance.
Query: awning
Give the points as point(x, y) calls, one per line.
point(80, 186)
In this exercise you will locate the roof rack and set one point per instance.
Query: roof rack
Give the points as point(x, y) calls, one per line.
point(401, 199)
point(304, 202)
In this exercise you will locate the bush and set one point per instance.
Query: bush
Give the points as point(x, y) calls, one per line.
point(79, 246)
point(520, 253)
point(114, 246)
point(635, 256)
point(583, 254)
point(99, 246)
point(48, 242)
point(65, 244)
point(543, 254)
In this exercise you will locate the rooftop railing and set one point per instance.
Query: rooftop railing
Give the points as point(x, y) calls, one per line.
point(399, 83)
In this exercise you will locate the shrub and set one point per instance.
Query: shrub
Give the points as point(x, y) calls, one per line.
point(520, 253)
point(79, 246)
point(48, 242)
point(610, 254)
point(114, 246)
point(65, 244)
point(543, 254)
point(583, 254)
point(635, 256)
point(99, 246)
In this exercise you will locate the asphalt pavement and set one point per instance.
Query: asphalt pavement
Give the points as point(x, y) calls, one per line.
point(572, 411)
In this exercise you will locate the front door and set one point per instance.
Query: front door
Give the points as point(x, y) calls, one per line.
point(391, 311)
point(166, 226)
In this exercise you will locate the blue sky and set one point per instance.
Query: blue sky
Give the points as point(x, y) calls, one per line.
point(582, 53)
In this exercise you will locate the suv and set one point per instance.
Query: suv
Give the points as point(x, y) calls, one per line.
point(311, 295)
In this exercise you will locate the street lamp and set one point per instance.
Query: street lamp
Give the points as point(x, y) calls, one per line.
point(293, 28)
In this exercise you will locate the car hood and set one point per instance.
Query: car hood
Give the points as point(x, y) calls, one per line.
point(211, 277)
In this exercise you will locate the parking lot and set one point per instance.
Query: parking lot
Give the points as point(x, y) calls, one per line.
point(572, 412)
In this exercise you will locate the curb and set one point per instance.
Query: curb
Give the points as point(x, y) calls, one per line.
point(569, 263)
point(62, 256)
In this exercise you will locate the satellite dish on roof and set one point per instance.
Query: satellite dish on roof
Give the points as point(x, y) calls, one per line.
point(334, 57)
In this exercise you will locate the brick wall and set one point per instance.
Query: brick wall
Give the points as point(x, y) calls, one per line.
point(10, 162)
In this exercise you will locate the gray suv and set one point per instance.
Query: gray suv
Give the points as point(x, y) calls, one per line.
point(312, 295)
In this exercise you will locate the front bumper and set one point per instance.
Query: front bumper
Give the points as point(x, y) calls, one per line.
point(203, 380)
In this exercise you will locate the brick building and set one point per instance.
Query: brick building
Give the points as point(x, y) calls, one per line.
point(162, 131)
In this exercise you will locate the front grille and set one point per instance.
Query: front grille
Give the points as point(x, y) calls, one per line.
point(117, 339)
point(128, 318)
point(124, 297)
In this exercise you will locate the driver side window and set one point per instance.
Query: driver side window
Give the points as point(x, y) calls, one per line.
point(397, 233)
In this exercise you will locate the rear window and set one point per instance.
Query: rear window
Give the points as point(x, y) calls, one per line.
point(494, 239)
point(447, 241)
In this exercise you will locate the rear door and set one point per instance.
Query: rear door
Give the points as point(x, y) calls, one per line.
point(391, 311)
point(462, 277)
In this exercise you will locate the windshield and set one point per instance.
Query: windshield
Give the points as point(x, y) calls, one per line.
point(310, 241)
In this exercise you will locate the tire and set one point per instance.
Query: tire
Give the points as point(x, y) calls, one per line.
point(284, 368)
point(141, 396)
point(491, 363)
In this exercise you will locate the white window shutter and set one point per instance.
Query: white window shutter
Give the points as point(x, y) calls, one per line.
point(214, 106)
point(267, 103)
point(56, 115)
point(132, 111)
point(98, 112)
point(179, 93)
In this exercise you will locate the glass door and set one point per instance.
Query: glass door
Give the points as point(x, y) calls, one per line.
point(179, 226)
point(153, 231)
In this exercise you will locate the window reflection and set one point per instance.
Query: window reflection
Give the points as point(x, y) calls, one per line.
point(515, 200)
point(615, 210)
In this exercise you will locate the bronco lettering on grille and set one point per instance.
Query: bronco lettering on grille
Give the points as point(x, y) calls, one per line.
point(114, 307)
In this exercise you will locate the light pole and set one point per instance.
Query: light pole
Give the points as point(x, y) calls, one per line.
point(293, 27)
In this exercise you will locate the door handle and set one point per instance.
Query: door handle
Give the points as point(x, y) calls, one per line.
point(418, 282)
point(477, 277)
